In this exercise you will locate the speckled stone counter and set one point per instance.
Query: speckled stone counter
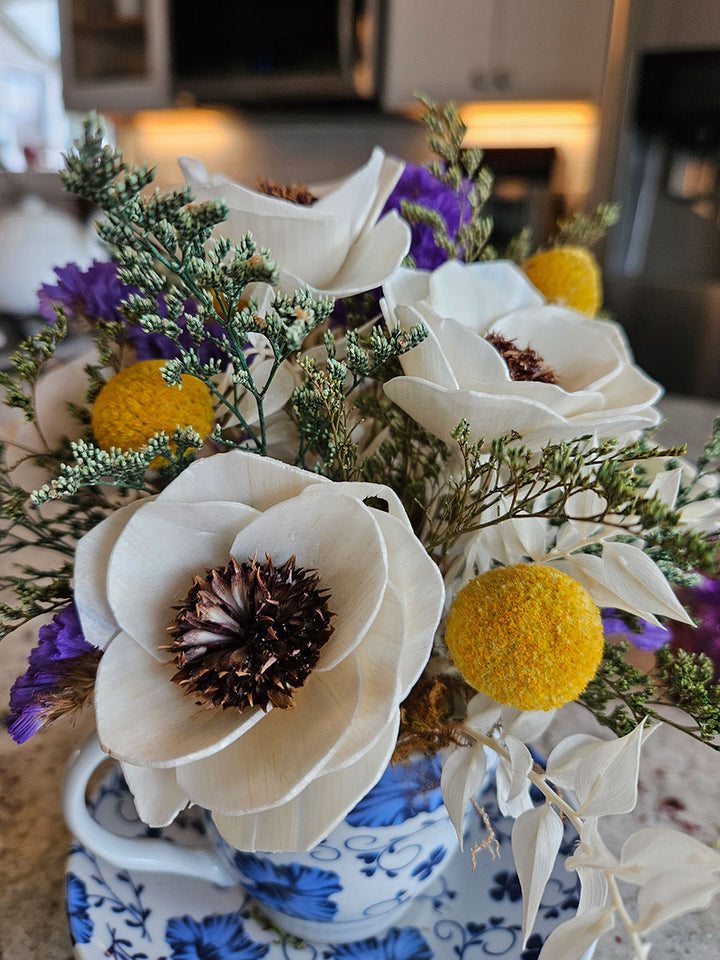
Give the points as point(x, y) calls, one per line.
point(679, 786)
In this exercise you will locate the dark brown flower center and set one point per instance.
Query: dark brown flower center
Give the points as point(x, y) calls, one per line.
point(294, 192)
point(249, 634)
point(523, 364)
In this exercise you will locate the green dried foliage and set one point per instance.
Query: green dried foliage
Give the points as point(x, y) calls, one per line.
point(324, 417)
point(586, 229)
point(540, 483)
point(159, 241)
point(94, 466)
point(461, 169)
point(621, 695)
point(27, 363)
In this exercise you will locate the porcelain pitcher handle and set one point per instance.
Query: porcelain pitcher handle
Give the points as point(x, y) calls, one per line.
point(150, 854)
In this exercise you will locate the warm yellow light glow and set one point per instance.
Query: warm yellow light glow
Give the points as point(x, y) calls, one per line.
point(568, 125)
point(213, 136)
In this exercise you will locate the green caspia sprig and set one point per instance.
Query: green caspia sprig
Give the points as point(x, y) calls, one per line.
point(161, 245)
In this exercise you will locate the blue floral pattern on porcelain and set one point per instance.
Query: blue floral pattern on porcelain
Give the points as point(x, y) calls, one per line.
point(356, 883)
point(464, 913)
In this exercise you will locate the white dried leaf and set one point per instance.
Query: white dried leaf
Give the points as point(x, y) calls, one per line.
point(520, 766)
point(463, 775)
point(649, 852)
point(536, 837)
point(482, 713)
point(566, 755)
point(520, 802)
point(526, 725)
point(571, 939)
point(606, 778)
point(673, 893)
point(634, 576)
point(666, 486)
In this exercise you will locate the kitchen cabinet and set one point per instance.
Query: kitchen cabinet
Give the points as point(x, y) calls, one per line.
point(114, 54)
point(496, 49)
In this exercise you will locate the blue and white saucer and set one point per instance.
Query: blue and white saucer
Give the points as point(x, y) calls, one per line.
point(464, 915)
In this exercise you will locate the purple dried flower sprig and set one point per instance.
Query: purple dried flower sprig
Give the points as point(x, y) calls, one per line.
point(59, 680)
point(97, 294)
point(418, 185)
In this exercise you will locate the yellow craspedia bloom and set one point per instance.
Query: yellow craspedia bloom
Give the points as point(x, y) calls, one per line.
point(527, 635)
point(569, 276)
point(137, 403)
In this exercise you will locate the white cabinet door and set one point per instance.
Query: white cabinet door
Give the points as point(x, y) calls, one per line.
point(115, 54)
point(437, 47)
point(496, 49)
point(550, 49)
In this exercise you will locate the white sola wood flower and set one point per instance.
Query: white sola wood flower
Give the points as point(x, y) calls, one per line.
point(553, 374)
point(195, 560)
point(337, 245)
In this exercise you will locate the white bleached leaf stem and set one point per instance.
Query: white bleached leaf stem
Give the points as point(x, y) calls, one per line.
point(551, 796)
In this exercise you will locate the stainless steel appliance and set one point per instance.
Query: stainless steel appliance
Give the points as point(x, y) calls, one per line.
point(663, 259)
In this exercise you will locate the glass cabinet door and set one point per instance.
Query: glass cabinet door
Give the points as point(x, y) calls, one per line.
point(115, 54)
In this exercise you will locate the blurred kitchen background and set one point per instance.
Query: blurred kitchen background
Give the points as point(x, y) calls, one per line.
point(575, 101)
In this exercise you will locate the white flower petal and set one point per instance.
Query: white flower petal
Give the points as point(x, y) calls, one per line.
point(92, 555)
point(478, 294)
point(471, 358)
point(377, 658)
point(150, 571)
point(157, 795)
point(381, 497)
point(308, 818)
point(555, 333)
point(283, 753)
point(406, 286)
point(421, 592)
point(353, 569)
point(440, 410)
point(369, 261)
point(237, 476)
point(428, 359)
point(145, 719)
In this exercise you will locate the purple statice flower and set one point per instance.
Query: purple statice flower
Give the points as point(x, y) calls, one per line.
point(419, 186)
point(651, 637)
point(59, 679)
point(703, 602)
point(97, 294)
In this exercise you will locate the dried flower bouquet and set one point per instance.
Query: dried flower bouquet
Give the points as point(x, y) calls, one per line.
point(286, 540)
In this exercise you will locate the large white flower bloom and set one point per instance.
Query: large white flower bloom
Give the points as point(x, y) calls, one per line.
point(282, 779)
point(457, 373)
point(338, 245)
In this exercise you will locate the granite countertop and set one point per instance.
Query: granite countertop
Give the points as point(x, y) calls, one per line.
point(679, 785)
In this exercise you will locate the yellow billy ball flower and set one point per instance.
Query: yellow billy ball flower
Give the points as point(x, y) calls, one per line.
point(137, 403)
point(569, 276)
point(527, 635)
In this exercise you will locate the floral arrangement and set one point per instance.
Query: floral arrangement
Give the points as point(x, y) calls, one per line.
point(287, 523)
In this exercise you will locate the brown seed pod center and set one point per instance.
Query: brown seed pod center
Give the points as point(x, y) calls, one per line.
point(249, 634)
